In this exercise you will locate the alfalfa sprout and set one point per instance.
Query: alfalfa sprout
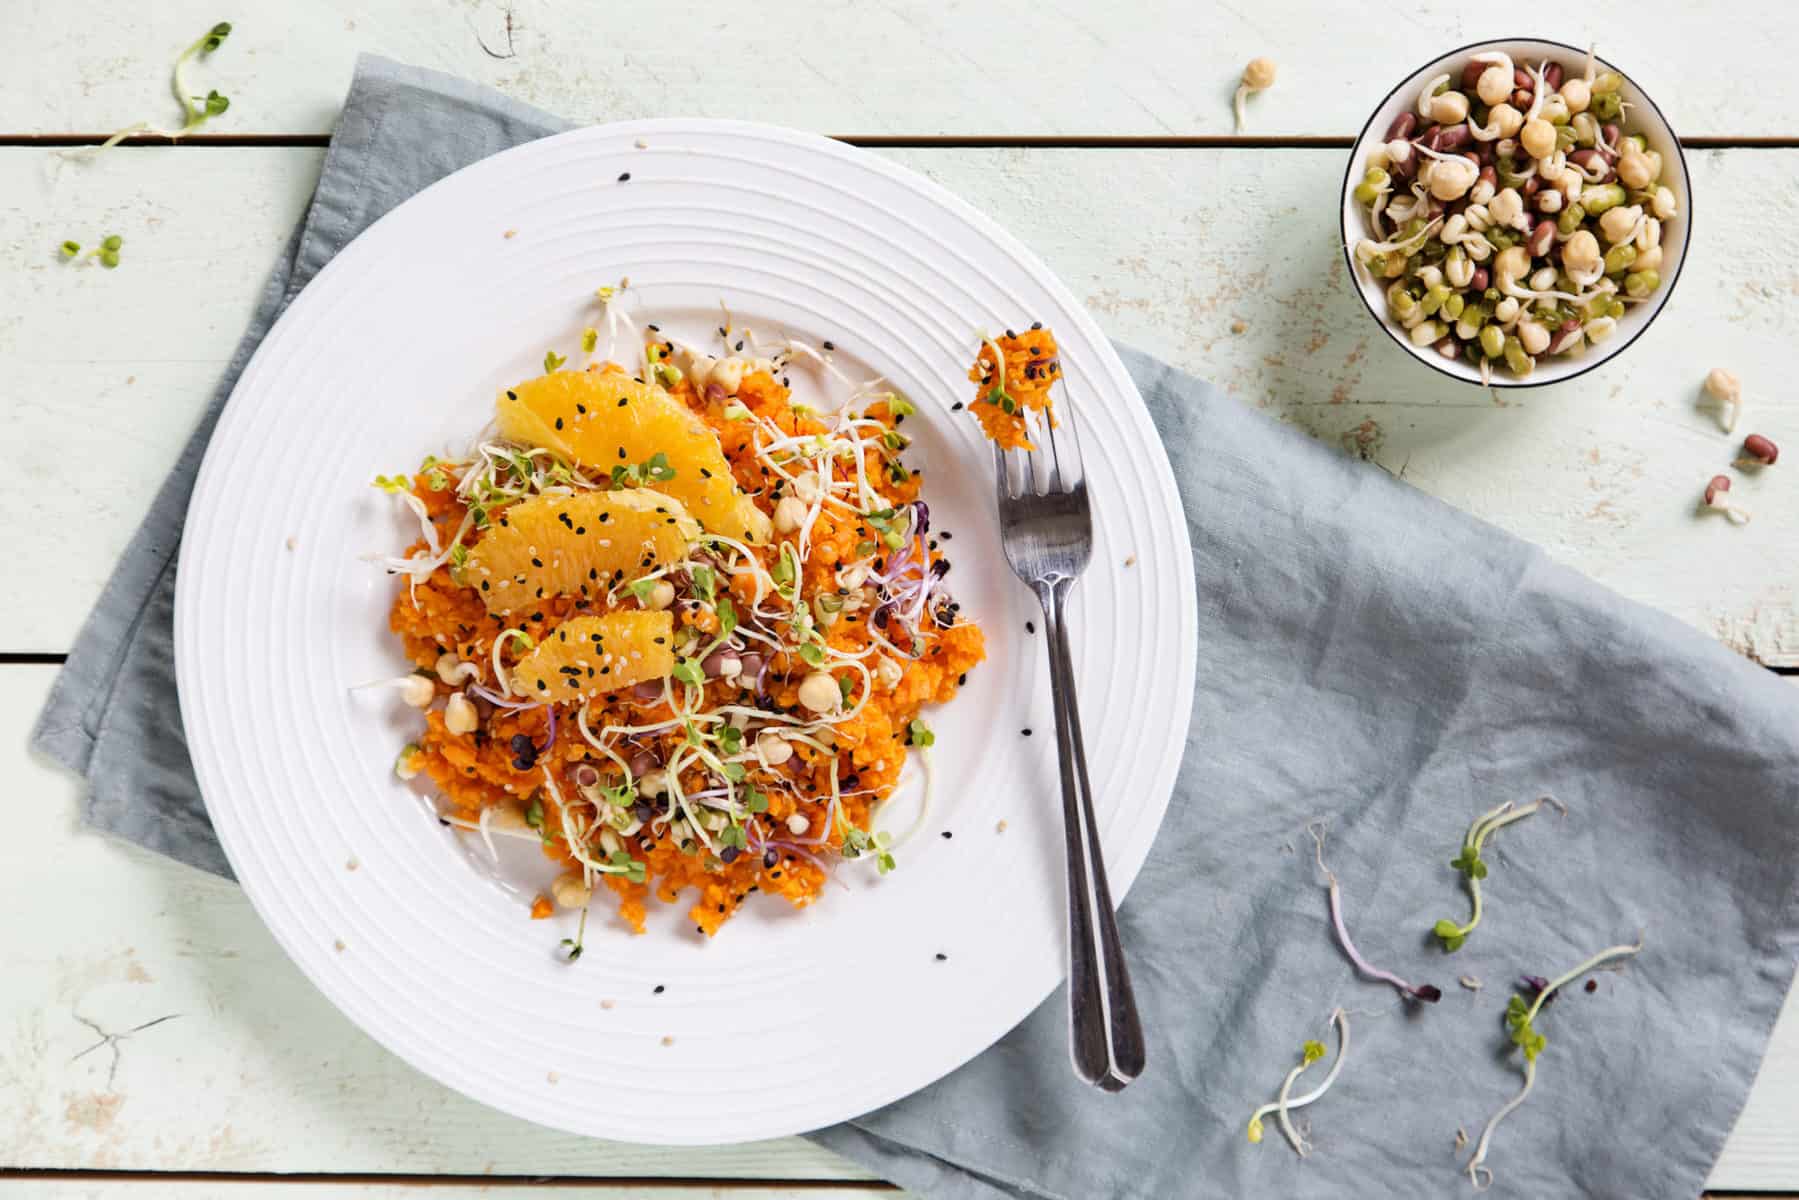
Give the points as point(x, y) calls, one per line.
point(1474, 868)
point(1429, 993)
point(1285, 1102)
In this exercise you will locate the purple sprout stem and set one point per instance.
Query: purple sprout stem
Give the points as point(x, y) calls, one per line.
point(1425, 992)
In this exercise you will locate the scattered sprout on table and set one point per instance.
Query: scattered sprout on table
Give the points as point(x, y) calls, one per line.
point(1725, 391)
point(1520, 1016)
point(195, 110)
point(1284, 1103)
point(1717, 499)
point(1758, 451)
point(1258, 76)
point(1474, 869)
point(1429, 993)
point(1512, 213)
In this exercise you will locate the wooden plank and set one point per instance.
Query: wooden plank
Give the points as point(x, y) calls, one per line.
point(1223, 261)
point(1148, 68)
point(150, 1187)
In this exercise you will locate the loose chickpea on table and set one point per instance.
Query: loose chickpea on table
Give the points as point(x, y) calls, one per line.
point(1513, 213)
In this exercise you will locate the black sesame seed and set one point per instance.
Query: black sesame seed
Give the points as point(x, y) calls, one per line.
point(1027, 733)
point(770, 859)
point(956, 407)
point(1030, 627)
point(1036, 324)
point(830, 346)
point(947, 835)
point(942, 957)
point(624, 177)
point(659, 989)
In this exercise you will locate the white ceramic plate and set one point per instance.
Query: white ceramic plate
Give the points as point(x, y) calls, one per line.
point(788, 1020)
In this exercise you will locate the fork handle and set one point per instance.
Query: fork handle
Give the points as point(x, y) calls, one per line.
point(1105, 1034)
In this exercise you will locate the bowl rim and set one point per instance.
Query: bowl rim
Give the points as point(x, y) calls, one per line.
point(1412, 352)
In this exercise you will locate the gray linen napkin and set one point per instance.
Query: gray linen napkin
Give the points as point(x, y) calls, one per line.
point(1368, 657)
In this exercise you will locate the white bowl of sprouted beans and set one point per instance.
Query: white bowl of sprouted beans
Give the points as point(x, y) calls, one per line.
point(1516, 212)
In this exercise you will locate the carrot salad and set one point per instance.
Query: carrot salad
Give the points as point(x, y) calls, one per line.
point(677, 629)
point(1014, 373)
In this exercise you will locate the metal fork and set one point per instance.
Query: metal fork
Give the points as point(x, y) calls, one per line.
point(1046, 529)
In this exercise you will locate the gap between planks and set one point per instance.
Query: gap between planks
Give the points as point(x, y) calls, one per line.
point(643, 1183)
point(227, 141)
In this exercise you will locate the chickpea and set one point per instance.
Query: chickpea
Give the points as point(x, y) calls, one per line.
point(773, 748)
point(1650, 235)
point(1648, 260)
point(1505, 207)
point(1618, 224)
point(460, 716)
point(1580, 253)
point(1506, 119)
point(1512, 262)
point(417, 691)
point(571, 891)
point(1449, 108)
point(1457, 269)
point(727, 373)
point(1633, 171)
point(797, 824)
point(819, 692)
point(699, 369)
point(1450, 179)
point(1654, 159)
point(1664, 205)
point(1550, 201)
point(1576, 94)
point(1723, 386)
point(1258, 76)
point(790, 514)
point(1494, 85)
point(1506, 309)
point(1538, 138)
point(806, 487)
point(661, 595)
point(651, 784)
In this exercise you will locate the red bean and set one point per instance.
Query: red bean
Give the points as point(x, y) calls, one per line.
point(715, 663)
point(1529, 187)
point(1541, 238)
point(643, 762)
point(1563, 339)
point(1521, 100)
point(649, 689)
point(1452, 137)
point(1522, 78)
point(1552, 77)
point(1402, 126)
point(1609, 135)
point(1479, 280)
point(1403, 163)
point(1471, 74)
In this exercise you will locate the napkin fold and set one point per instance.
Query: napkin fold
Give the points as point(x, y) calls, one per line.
point(1371, 661)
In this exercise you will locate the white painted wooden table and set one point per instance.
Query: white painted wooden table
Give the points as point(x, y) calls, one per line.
point(1101, 138)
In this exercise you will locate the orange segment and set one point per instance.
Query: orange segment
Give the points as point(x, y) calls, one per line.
point(587, 656)
point(605, 419)
point(576, 545)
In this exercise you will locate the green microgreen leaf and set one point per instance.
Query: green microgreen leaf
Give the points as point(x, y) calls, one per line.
point(727, 617)
point(534, 814)
point(812, 654)
point(552, 360)
point(71, 249)
point(919, 734)
point(392, 483)
point(704, 581)
point(590, 338)
point(688, 670)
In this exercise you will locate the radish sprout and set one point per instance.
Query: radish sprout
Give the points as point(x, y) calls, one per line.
point(1283, 1105)
point(1518, 1018)
point(1428, 993)
point(196, 110)
point(1258, 76)
point(1474, 869)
